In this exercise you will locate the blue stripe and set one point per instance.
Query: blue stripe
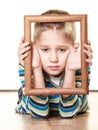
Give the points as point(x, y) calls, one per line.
point(21, 71)
point(52, 105)
point(21, 75)
point(24, 98)
point(38, 107)
point(71, 109)
point(78, 80)
point(54, 96)
point(78, 71)
point(68, 99)
point(89, 69)
point(41, 97)
point(23, 82)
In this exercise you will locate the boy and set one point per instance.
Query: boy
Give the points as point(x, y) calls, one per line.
point(53, 65)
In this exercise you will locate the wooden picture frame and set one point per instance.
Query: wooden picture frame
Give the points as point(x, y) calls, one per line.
point(82, 18)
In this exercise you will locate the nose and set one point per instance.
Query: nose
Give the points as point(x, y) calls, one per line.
point(53, 57)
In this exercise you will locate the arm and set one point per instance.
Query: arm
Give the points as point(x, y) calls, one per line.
point(38, 78)
point(69, 80)
point(71, 105)
point(22, 54)
point(23, 49)
point(74, 104)
point(74, 63)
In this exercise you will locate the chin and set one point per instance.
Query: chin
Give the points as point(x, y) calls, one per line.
point(55, 73)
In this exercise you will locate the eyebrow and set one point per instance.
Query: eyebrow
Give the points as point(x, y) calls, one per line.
point(43, 46)
point(66, 45)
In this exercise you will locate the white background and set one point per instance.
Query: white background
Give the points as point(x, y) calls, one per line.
point(11, 30)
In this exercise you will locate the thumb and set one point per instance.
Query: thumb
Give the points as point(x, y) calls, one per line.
point(76, 47)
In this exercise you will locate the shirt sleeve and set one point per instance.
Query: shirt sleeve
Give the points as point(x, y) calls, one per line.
point(21, 74)
point(74, 104)
point(78, 77)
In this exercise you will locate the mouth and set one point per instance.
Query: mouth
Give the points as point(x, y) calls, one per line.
point(54, 68)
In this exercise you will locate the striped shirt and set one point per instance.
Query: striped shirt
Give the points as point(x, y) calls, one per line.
point(43, 107)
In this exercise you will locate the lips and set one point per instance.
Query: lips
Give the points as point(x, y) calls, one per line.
point(54, 68)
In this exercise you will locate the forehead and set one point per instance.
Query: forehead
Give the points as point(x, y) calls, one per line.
point(52, 33)
point(51, 37)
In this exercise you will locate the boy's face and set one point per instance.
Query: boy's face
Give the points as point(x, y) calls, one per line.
point(53, 48)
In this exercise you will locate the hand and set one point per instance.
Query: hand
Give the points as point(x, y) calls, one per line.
point(36, 62)
point(23, 49)
point(88, 51)
point(74, 58)
point(38, 79)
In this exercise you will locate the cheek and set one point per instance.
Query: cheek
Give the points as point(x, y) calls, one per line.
point(43, 60)
point(64, 57)
point(42, 57)
point(63, 61)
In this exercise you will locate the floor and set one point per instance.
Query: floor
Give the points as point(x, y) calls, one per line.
point(9, 120)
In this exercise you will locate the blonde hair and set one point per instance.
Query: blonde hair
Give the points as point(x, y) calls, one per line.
point(68, 28)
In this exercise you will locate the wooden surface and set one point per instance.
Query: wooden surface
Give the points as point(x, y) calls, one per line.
point(9, 120)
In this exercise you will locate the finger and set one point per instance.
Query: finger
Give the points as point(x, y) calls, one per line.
point(88, 47)
point(22, 51)
point(22, 57)
point(88, 42)
point(89, 54)
point(89, 62)
point(76, 46)
point(24, 45)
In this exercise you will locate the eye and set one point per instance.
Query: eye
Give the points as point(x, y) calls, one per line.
point(62, 49)
point(45, 49)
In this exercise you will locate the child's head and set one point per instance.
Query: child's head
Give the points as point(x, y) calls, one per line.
point(54, 41)
point(68, 28)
